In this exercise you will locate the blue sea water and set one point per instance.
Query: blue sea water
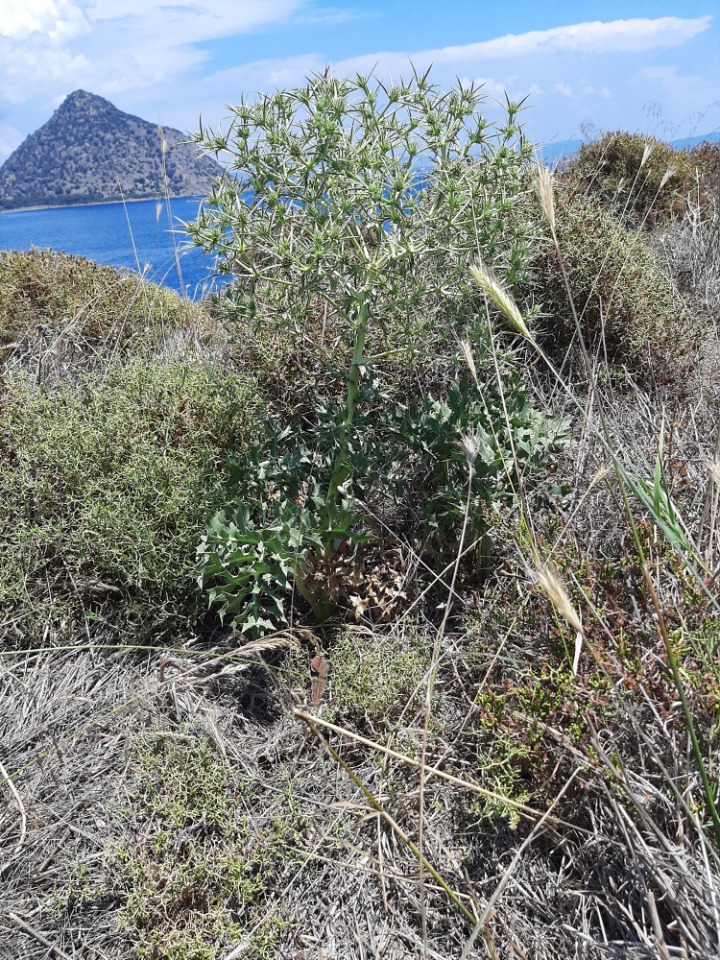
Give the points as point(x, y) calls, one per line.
point(140, 236)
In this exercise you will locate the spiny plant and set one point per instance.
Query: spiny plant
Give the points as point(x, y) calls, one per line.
point(366, 203)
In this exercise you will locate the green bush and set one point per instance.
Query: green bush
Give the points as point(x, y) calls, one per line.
point(106, 489)
point(633, 176)
point(354, 215)
point(642, 180)
point(54, 304)
point(629, 309)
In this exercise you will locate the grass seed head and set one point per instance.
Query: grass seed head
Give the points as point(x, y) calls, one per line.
point(500, 297)
point(552, 585)
point(467, 353)
point(545, 193)
point(469, 446)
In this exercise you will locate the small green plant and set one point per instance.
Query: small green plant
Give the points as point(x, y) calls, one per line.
point(194, 883)
point(436, 428)
point(372, 681)
point(629, 311)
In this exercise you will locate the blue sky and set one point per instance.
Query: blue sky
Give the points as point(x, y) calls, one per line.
point(646, 65)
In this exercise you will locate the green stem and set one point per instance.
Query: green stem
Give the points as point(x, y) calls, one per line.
point(357, 359)
point(341, 469)
point(322, 609)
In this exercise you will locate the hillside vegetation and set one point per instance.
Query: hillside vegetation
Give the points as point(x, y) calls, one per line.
point(371, 609)
point(91, 152)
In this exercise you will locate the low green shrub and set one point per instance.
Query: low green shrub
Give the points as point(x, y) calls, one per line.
point(631, 175)
point(106, 489)
point(642, 180)
point(62, 305)
point(629, 310)
point(191, 875)
point(373, 680)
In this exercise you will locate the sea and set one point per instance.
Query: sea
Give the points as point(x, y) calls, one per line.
point(143, 236)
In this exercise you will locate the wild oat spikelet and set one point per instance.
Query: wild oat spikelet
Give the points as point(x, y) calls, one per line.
point(544, 185)
point(494, 290)
point(552, 585)
point(669, 173)
point(469, 446)
point(466, 350)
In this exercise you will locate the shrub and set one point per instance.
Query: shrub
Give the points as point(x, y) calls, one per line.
point(73, 313)
point(363, 206)
point(642, 180)
point(629, 309)
point(633, 176)
point(106, 489)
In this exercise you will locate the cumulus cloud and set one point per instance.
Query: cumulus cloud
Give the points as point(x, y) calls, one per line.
point(617, 36)
point(154, 56)
point(117, 45)
point(58, 20)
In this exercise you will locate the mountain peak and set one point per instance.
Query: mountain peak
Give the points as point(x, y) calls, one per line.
point(91, 152)
point(81, 98)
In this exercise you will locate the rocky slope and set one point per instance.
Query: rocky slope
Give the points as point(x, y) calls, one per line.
point(90, 152)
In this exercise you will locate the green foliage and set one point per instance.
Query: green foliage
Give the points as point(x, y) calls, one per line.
point(436, 429)
point(193, 883)
point(366, 204)
point(83, 311)
point(372, 680)
point(345, 189)
point(258, 548)
point(629, 310)
point(106, 489)
point(250, 567)
point(644, 181)
point(633, 176)
point(283, 522)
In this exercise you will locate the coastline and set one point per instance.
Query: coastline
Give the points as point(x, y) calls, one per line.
point(100, 203)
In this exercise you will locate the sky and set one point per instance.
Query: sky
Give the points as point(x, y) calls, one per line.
point(651, 66)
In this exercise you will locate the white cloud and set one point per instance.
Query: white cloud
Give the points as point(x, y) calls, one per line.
point(34, 68)
point(151, 57)
point(331, 16)
point(56, 19)
point(9, 139)
point(50, 47)
point(615, 36)
point(189, 21)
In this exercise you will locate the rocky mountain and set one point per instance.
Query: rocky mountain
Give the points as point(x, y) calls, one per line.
point(90, 152)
